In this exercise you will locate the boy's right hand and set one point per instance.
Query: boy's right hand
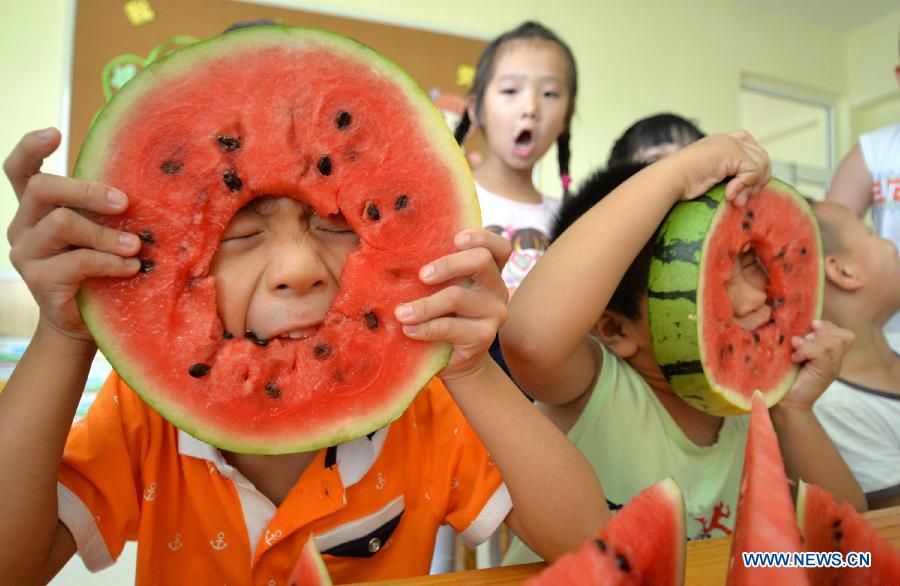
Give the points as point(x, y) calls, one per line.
point(711, 160)
point(54, 246)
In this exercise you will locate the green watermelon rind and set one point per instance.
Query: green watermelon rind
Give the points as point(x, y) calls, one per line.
point(683, 237)
point(89, 165)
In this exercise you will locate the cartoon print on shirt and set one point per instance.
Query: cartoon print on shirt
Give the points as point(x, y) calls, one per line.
point(720, 512)
point(528, 245)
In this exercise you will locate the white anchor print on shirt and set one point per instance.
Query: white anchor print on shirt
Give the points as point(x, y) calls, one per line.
point(219, 544)
point(150, 492)
point(177, 543)
point(272, 537)
point(381, 481)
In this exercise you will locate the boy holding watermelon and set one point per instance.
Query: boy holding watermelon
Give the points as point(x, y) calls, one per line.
point(591, 368)
point(201, 515)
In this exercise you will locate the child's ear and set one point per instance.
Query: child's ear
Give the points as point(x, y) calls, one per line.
point(618, 333)
point(841, 274)
point(473, 111)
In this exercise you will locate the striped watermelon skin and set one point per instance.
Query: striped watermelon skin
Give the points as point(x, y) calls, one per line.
point(709, 360)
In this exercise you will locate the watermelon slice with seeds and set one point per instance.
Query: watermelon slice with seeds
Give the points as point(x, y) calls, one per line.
point(280, 112)
point(765, 514)
point(712, 362)
point(644, 543)
point(831, 526)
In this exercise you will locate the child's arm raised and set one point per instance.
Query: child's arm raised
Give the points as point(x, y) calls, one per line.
point(54, 248)
point(808, 452)
point(533, 456)
point(545, 341)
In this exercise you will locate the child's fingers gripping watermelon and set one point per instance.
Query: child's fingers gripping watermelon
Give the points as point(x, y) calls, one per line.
point(470, 309)
point(821, 352)
point(54, 246)
point(27, 157)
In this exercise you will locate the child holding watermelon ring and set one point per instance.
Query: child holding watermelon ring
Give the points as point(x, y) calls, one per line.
point(88, 492)
point(594, 372)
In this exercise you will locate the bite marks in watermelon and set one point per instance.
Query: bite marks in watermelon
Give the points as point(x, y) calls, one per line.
point(765, 514)
point(276, 112)
point(830, 526)
point(644, 543)
point(310, 569)
point(710, 358)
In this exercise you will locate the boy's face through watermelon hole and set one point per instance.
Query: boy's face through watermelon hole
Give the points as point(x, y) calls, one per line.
point(747, 291)
point(278, 268)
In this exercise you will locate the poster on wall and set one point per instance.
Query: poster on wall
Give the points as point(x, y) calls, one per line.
point(115, 39)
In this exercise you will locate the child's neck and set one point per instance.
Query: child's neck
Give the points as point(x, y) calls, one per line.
point(871, 362)
point(273, 476)
point(699, 427)
point(513, 184)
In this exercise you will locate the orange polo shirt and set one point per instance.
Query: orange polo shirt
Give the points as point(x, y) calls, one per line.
point(374, 504)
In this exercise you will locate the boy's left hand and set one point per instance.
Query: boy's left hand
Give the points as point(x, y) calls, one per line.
point(822, 352)
point(470, 309)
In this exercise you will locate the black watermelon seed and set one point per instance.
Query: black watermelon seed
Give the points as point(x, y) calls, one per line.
point(622, 563)
point(146, 237)
point(199, 370)
point(322, 350)
point(749, 214)
point(745, 225)
point(730, 348)
point(838, 535)
point(771, 321)
point(372, 212)
point(170, 167)
point(781, 253)
point(401, 202)
point(192, 282)
point(371, 320)
point(836, 524)
point(802, 250)
point(755, 338)
point(747, 359)
point(261, 342)
point(721, 353)
point(147, 265)
point(781, 338)
point(272, 389)
point(601, 545)
point(343, 120)
point(229, 143)
point(232, 181)
point(227, 335)
point(250, 335)
point(325, 165)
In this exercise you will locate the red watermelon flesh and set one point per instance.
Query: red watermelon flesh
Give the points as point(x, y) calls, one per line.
point(644, 543)
point(710, 360)
point(279, 112)
point(830, 526)
point(765, 514)
point(310, 569)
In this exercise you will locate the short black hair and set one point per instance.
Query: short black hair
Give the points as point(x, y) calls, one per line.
point(626, 299)
point(651, 131)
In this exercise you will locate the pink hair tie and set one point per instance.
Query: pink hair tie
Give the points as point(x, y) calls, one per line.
point(566, 181)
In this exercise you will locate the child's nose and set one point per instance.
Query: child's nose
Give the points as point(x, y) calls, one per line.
point(748, 304)
point(296, 267)
point(531, 108)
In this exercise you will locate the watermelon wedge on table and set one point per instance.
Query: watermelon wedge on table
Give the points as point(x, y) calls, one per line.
point(765, 515)
point(280, 112)
point(644, 543)
point(830, 526)
point(712, 362)
point(310, 569)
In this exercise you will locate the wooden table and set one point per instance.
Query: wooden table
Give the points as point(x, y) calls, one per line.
point(707, 561)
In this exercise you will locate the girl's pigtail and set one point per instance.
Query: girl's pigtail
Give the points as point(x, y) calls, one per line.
point(562, 153)
point(462, 128)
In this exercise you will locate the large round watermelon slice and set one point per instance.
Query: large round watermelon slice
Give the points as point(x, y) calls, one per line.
point(710, 360)
point(278, 112)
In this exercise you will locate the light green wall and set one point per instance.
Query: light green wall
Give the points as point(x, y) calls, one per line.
point(634, 58)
